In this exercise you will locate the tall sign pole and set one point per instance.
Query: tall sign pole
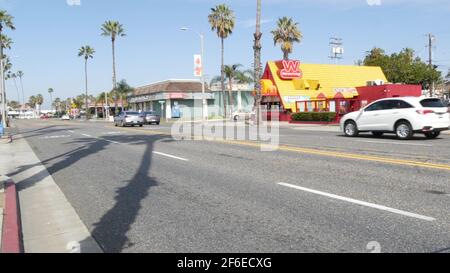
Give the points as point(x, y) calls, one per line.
point(257, 61)
point(430, 60)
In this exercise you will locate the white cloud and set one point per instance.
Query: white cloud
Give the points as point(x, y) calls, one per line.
point(252, 22)
point(73, 2)
point(374, 2)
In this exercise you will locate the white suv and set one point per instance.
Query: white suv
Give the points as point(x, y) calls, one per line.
point(403, 116)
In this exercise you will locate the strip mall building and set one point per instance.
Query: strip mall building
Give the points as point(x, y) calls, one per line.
point(291, 86)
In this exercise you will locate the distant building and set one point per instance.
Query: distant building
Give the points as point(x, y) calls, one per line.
point(176, 98)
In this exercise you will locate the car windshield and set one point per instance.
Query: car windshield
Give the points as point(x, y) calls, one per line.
point(150, 113)
point(432, 103)
point(132, 113)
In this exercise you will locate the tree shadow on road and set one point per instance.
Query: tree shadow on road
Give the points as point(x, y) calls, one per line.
point(112, 228)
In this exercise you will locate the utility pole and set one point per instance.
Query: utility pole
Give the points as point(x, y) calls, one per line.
point(257, 62)
point(336, 49)
point(431, 39)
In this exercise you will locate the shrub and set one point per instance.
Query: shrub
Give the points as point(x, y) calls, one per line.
point(312, 116)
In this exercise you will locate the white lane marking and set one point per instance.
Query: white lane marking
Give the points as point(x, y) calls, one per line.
point(358, 202)
point(393, 143)
point(171, 156)
point(70, 131)
point(110, 141)
point(54, 137)
point(115, 142)
point(112, 133)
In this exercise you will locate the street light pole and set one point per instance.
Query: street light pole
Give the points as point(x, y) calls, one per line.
point(202, 45)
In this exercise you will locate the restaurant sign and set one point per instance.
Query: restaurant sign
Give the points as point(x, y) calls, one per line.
point(291, 70)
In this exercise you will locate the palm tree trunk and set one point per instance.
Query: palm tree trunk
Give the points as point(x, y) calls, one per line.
point(257, 62)
point(222, 80)
point(230, 95)
point(17, 89)
point(51, 102)
point(23, 93)
point(114, 73)
point(86, 77)
point(285, 55)
point(2, 82)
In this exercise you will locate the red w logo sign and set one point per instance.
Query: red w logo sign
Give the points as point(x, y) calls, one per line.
point(291, 70)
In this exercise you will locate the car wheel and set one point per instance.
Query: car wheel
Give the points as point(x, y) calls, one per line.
point(403, 130)
point(236, 118)
point(140, 125)
point(377, 134)
point(157, 123)
point(432, 135)
point(350, 129)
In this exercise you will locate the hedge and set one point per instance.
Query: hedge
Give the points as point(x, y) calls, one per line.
point(313, 116)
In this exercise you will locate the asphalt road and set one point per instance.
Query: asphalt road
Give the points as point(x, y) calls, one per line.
point(138, 191)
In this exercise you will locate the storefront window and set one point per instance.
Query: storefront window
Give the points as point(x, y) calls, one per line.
point(332, 106)
point(310, 107)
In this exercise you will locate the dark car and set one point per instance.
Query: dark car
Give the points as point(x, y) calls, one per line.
point(151, 118)
point(129, 119)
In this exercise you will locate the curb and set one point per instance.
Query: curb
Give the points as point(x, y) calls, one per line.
point(11, 237)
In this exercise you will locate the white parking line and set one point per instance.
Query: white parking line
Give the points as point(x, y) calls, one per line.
point(171, 156)
point(362, 203)
point(86, 135)
point(394, 143)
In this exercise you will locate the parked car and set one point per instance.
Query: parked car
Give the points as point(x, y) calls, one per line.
point(241, 115)
point(129, 119)
point(403, 116)
point(151, 118)
point(65, 117)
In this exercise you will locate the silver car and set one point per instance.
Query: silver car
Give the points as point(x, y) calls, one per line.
point(151, 117)
point(129, 119)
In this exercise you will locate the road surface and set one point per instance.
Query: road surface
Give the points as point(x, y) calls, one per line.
point(140, 191)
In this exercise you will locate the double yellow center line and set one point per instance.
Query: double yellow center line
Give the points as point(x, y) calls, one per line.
point(326, 153)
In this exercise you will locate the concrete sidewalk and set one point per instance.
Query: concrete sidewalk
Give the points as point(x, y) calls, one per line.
point(2, 205)
point(49, 222)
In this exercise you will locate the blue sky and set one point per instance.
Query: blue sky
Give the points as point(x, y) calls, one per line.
point(49, 33)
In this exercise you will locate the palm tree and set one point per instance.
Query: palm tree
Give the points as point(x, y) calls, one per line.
point(6, 20)
point(51, 91)
point(6, 41)
point(230, 73)
point(113, 29)
point(123, 90)
point(88, 53)
point(20, 74)
point(32, 101)
point(7, 66)
point(57, 104)
point(14, 104)
point(222, 21)
point(13, 76)
point(39, 102)
point(286, 34)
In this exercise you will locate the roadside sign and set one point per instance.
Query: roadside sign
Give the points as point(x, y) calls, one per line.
point(198, 66)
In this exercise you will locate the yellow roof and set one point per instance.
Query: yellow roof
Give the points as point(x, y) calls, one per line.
point(330, 77)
